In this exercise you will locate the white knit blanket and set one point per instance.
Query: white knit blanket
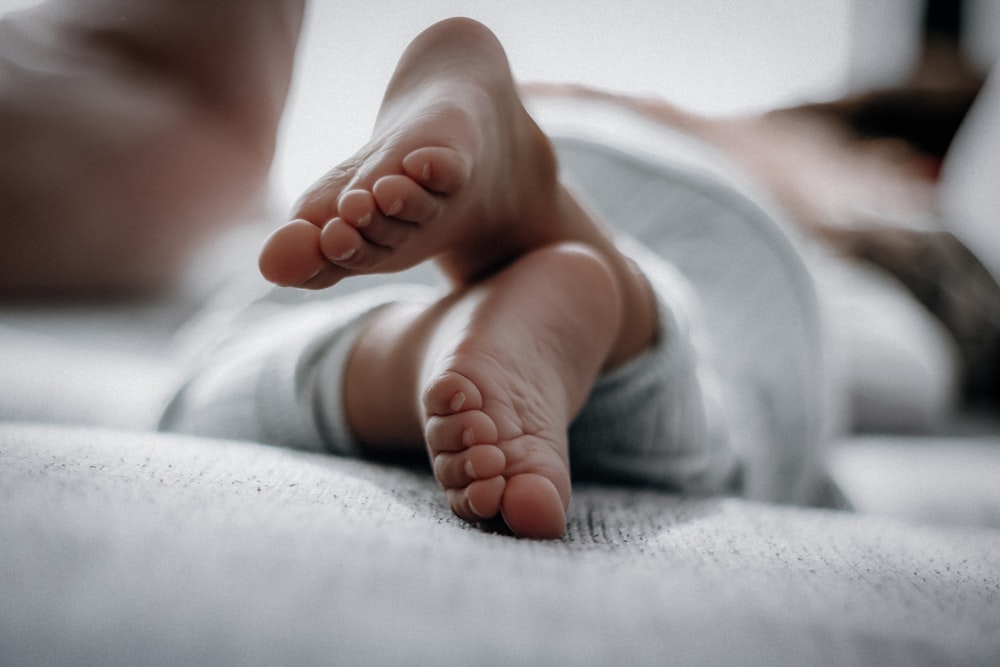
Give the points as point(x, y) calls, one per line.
point(121, 548)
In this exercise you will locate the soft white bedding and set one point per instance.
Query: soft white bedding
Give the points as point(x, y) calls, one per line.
point(123, 548)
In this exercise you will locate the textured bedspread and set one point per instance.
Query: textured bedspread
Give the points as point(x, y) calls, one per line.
point(128, 548)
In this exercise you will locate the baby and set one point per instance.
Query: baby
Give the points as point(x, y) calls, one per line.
point(548, 345)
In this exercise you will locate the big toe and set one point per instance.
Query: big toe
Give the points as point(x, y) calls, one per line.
point(291, 255)
point(532, 508)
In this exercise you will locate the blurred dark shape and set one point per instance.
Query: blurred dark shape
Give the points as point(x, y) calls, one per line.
point(951, 283)
point(944, 275)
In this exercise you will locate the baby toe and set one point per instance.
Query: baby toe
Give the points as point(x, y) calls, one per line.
point(441, 170)
point(401, 198)
point(456, 470)
point(451, 392)
point(357, 207)
point(388, 232)
point(339, 241)
point(344, 245)
point(457, 432)
point(479, 500)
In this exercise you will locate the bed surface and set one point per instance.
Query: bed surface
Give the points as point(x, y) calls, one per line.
point(121, 547)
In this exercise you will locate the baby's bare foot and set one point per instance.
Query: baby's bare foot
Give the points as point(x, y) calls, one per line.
point(508, 373)
point(456, 170)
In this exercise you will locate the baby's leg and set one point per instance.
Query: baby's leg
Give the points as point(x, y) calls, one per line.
point(500, 370)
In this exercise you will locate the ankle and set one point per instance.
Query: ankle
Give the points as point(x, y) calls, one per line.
point(637, 319)
point(381, 378)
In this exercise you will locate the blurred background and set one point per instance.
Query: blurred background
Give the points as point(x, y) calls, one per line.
point(714, 56)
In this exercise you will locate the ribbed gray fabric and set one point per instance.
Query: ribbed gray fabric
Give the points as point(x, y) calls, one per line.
point(275, 374)
point(659, 420)
point(762, 329)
